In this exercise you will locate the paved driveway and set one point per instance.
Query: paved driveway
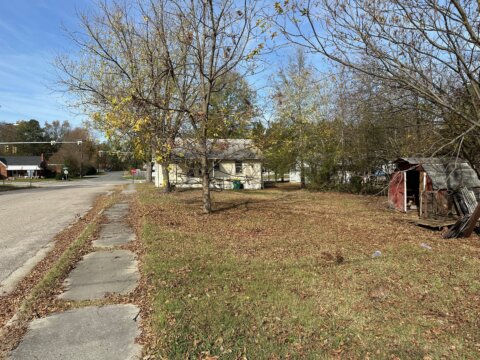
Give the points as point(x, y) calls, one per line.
point(30, 218)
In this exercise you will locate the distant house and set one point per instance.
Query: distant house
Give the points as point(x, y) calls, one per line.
point(230, 160)
point(294, 175)
point(435, 187)
point(22, 166)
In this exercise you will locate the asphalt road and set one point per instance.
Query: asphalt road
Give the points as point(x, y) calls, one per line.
point(30, 218)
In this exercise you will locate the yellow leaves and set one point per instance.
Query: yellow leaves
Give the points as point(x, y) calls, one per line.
point(141, 124)
point(96, 117)
point(255, 52)
point(278, 8)
point(120, 103)
point(164, 153)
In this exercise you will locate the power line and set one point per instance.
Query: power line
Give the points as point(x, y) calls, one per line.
point(53, 142)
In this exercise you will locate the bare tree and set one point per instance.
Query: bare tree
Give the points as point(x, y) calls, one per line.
point(222, 39)
point(429, 48)
point(129, 74)
point(145, 68)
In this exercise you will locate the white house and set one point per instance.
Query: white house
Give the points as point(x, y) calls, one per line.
point(231, 160)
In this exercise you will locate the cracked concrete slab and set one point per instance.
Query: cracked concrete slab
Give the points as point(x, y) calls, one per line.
point(130, 189)
point(102, 272)
point(115, 215)
point(88, 333)
point(114, 234)
point(117, 212)
point(120, 205)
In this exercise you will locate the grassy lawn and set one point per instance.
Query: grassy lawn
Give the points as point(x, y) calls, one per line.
point(32, 180)
point(290, 274)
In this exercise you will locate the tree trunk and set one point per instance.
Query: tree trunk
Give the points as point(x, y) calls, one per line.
point(302, 174)
point(207, 203)
point(167, 186)
point(148, 175)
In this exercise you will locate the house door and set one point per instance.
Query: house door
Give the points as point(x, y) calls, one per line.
point(397, 191)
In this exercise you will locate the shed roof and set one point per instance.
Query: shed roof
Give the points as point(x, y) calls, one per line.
point(219, 149)
point(20, 160)
point(446, 173)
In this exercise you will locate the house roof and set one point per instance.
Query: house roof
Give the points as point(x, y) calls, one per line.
point(219, 149)
point(20, 160)
point(446, 173)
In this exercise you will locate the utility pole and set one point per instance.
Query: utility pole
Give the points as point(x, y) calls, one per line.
point(80, 143)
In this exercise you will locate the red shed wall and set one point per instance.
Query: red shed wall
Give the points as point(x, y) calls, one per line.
point(396, 191)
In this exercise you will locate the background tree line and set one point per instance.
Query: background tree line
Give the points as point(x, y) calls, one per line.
point(406, 75)
point(59, 155)
point(398, 78)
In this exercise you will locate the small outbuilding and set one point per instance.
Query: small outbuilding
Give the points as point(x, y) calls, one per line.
point(435, 187)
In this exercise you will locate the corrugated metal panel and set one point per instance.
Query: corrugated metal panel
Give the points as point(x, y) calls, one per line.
point(446, 173)
point(460, 175)
point(436, 172)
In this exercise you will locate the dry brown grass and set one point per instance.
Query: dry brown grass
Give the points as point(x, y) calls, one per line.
point(277, 274)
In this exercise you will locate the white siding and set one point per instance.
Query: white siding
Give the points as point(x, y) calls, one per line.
point(251, 176)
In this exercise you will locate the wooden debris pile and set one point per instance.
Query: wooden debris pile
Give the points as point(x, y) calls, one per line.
point(469, 210)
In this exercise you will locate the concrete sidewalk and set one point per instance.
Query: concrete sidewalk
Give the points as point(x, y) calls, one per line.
point(93, 332)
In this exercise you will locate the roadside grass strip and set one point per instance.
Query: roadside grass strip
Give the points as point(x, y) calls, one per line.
point(8, 187)
point(39, 299)
point(58, 272)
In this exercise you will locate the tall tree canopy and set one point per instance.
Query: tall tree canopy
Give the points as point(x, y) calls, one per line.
point(154, 70)
point(428, 49)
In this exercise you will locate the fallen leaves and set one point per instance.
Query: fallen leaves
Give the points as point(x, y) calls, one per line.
point(293, 272)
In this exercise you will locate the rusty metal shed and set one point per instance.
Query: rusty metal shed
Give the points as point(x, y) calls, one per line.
point(428, 185)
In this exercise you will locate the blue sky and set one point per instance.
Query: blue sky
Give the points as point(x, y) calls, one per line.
point(31, 36)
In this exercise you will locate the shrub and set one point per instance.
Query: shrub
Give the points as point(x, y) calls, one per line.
point(90, 170)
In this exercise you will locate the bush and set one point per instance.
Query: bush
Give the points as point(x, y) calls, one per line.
point(90, 170)
point(355, 184)
point(49, 174)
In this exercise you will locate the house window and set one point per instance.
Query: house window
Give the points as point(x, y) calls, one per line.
point(238, 167)
point(216, 165)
